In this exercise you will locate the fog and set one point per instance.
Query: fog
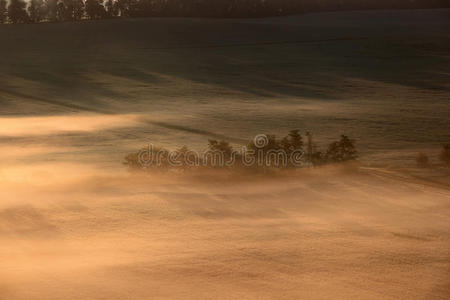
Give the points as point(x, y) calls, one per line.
point(76, 98)
point(79, 231)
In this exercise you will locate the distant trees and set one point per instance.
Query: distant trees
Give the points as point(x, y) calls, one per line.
point(137, 8)
point(17, 11)
point(95, 9)
point(77, 9)
point(268, 151)
point(3, 11)
point(292, 142)
point(264, 152)
point(221, 146)
point(111, 8)
point(341, 151)
point(66, 10)
point(36, 11)
point(52, 10)
point(72, 10)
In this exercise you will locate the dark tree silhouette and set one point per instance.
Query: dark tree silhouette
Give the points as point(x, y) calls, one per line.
point(222, 147)
point(264, 153)
point(95, 9)
point(3, 11)
point(293, 141)
point(66, 10)
point(17, 12)
point(62, 12)
point(77, 9)
point(70, 10)
point(134, 8)
point(36, 11)
point(52, 9)
point(341, 151)
point(112, 8)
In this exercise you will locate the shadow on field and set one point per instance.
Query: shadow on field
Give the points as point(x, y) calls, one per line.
point(309, 56)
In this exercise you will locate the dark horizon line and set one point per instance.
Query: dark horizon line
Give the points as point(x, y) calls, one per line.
point(54, 11)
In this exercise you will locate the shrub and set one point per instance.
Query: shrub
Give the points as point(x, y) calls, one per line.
point(341, 151)
point(148, 158)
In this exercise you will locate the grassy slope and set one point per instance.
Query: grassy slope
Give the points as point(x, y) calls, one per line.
point(381, 77)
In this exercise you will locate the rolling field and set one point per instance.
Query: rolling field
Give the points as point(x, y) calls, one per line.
point(380, 77)
point(77, 97)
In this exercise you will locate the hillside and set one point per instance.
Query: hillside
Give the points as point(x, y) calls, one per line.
point(383, 81)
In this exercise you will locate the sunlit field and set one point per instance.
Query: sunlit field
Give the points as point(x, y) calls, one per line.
point(76, 98)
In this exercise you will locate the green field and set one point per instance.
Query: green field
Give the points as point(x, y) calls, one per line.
point(380, 77)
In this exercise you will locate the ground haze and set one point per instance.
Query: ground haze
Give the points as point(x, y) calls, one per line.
point(76, 98)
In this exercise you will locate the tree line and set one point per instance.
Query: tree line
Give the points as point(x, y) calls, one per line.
point(36, 11)
point(264, 152)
